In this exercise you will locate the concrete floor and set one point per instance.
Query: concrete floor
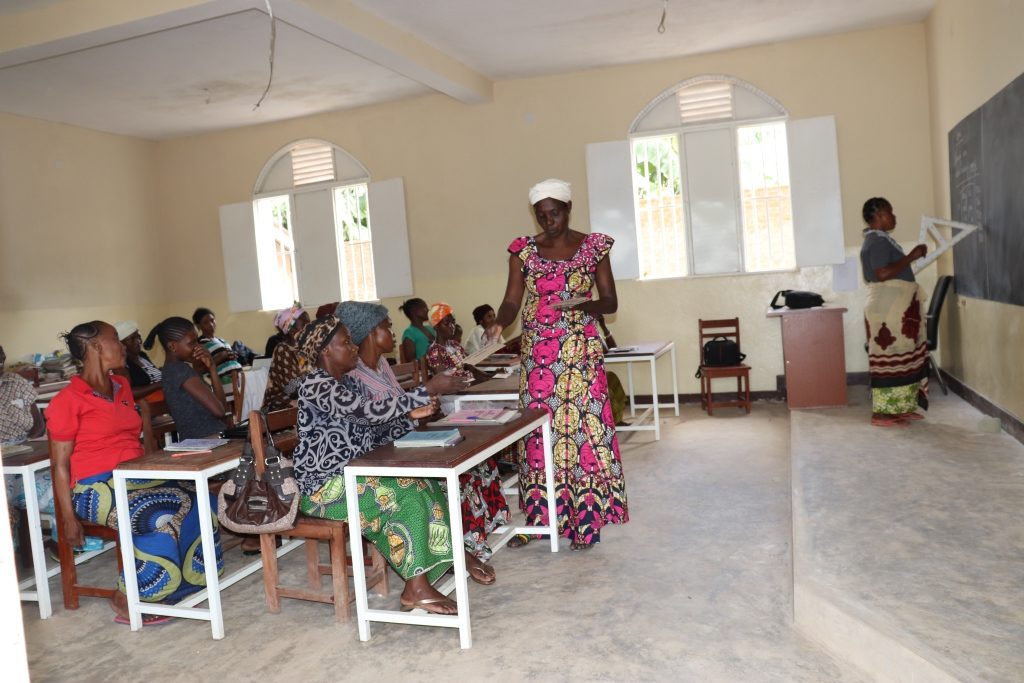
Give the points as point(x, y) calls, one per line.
point(915, 534)
point(697, 587)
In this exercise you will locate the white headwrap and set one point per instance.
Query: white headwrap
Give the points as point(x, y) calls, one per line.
point(125, 329)
point(553, 188)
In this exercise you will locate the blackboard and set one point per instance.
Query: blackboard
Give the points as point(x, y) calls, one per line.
point(986, 178)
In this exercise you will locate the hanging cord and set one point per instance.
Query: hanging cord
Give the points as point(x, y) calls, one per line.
point(273, 42)
point(664, 14)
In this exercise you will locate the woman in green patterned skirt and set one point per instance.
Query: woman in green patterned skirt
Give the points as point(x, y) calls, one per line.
point(897, 343)
point(406, 519)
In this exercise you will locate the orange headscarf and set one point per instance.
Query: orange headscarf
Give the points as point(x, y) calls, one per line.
point(438, 312)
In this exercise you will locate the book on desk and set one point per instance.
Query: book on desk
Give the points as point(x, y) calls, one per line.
point(478, 417)
point(430, 439)
point(191, 445)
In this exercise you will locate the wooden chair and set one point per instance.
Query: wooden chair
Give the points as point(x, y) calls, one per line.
point(730, 329)
point(412, 374)
point(68, 569)
point(156, 422)
point(313, 530)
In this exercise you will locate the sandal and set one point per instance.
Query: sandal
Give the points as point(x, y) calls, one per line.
point(480, 574)
point(518, 541)
point(425, 604)
point(911, 416)
point(894, 421)
point(574, 546)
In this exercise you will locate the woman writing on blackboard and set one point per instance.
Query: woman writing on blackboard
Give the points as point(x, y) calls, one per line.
point(897, 343)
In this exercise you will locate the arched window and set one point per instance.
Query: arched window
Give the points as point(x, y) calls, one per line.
point(716, 179)
point(711, 183)
point(317, 230)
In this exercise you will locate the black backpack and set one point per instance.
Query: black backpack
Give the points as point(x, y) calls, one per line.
point(721, 351)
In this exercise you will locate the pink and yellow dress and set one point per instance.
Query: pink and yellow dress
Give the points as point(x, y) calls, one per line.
point(563, 373)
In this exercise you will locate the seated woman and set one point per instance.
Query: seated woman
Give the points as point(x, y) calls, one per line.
point(484, 317)
point(94, 425)
point(416, 338)
point(411, 530)
point(483, 505)
point(283, 377)
point(198, 410)
point(141, 372)
point(20, 420)
point(223, 357)
point(446, 354)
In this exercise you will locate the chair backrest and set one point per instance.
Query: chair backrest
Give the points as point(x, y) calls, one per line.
point(280, 425)
point(412, 374)
point(709, 329)
point(935, 309)
point(238, 394)
point(156, 421)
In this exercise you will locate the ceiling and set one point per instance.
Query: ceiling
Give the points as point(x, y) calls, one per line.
point(169, 68)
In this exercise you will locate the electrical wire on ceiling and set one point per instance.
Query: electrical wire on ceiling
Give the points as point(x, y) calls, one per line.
point(273, 43)
point(664, 15)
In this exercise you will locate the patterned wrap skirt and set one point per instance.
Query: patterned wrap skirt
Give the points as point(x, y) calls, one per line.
point(897, 347)
point(405, 519)
point(165, 531)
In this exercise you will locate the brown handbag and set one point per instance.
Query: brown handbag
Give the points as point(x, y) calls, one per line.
point(250, 505)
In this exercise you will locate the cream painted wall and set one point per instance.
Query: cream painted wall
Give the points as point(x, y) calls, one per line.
point(974, 50)
point(467, 170)
point(77, 229)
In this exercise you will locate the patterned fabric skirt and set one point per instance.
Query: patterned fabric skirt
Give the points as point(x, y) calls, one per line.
point(566, 377)
point(897, 347)
point(484, 507)
point(165, 531)
point(406, 519)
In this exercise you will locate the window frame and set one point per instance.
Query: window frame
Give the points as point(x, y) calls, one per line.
point(732, 125)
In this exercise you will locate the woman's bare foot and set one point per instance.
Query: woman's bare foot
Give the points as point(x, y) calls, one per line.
point(419, 594)
point(478, 571)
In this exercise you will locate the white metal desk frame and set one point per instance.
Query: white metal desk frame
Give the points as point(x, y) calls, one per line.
point(611, 358)
point(364, 615)
point(214, 584)
point(654, 405)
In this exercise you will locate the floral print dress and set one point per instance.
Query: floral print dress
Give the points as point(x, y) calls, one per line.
point(563, 373)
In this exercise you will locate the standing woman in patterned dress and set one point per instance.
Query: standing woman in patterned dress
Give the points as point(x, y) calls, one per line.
point(563, 370)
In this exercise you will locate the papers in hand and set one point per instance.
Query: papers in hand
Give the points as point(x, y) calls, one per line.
point(188, 445)
point(479, 416)
point(484, 353)
point(569, 303)
point(432, 439)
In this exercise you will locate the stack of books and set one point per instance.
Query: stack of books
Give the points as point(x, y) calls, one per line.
point(57, 368)
point(434, 438)
point(195, 445)
point(479, 416)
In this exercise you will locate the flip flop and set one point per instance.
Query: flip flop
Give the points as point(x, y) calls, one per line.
point(423, 604)
point(147, 619)
point(581, 546)
point(479, 574)
point(911, 416)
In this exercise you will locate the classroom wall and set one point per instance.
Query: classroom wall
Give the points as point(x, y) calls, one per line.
point(467, 170)
point(77, 228)
point(974, 50)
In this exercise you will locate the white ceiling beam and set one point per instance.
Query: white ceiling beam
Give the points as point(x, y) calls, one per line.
point(72, 25)
point(341, 23)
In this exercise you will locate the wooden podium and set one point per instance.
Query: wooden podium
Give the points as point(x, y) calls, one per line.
point(814, 355)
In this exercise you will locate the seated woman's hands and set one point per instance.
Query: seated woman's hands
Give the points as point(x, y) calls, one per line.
point(201, 358)
point(493, 333)
point(427, 410)
point(73, 532)
point(445, 384)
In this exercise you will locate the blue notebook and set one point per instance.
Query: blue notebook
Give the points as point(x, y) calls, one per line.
point(431, 439)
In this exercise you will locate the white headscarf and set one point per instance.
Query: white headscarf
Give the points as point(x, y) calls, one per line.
point(551, 188)
point(126, 328)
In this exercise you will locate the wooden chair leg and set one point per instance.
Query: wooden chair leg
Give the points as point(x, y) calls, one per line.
point(268, 553)
point(747, 378)
point(379, 564)
point(313, 563)
point(339, 573)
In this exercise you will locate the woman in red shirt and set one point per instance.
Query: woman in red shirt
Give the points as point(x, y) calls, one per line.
point(94, 425)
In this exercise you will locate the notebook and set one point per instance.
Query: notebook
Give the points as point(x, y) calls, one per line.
point(479, 416)
point(432, 439)
point(195, 445)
